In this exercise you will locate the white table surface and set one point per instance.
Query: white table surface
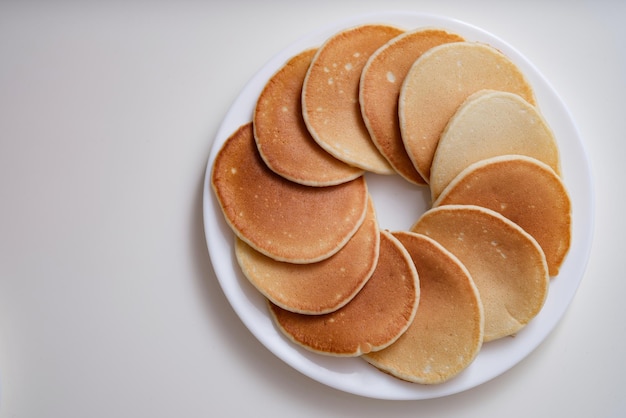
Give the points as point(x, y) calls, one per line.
point(109, 306)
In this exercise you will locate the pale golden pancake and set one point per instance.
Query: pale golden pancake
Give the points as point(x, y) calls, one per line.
point(282, 219)
point(439, 81)
point(447, 331)
point(379, 90)
point(330, 96)
point(282, 138)
point(524, 190)
point(372, 320)
point(488, 124)
point(506, 263)
point(320, 287)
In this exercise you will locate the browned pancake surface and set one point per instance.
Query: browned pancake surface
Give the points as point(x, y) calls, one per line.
point(282, 219)
point(525, 191)
point(320, 287)
point(372, 320)
point(379, 90)
point(282, 137)
point(505, 262)
point(330, 96)
point(488, 124)
point(447, 331)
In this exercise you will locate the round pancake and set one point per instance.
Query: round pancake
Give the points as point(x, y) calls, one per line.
point(505, 262)
point(282, 138)
point(277, 217)
point(372, 320)
point(330, 96)
point(320, 287)
point(491, 123)
point(447, 331)
point(436, 85)
point(379, 90)
point(524, 190)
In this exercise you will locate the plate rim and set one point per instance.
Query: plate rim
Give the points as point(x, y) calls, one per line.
point(326, 370)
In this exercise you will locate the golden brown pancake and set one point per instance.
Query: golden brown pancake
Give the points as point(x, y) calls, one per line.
point(439, 81)
point(447, 331)
point(277, 217)
point(320, 287)
point(282, 138)
point(488, 124)
point(524, 190)
point(330, 96)
point(372, 320)
point(505, 262)
point(379, 90)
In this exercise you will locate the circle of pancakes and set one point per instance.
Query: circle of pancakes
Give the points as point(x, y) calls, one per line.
point(416, 304)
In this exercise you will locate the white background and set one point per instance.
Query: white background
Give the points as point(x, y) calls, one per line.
point(109, 306)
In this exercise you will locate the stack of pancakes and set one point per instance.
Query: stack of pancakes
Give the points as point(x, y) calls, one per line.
point(440, 112)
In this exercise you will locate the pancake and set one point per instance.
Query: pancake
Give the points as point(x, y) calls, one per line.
point(447, 331)
point(330, 96)
point(436, 85)
point(277, 217)
point(524, 190)
point(505, 262)
point(320, 287)
point(282, 137)
point(491, 123)
point(372, 320)
point(379, 90)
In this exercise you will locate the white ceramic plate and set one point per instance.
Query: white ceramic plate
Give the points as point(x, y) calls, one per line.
point(398, 205)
